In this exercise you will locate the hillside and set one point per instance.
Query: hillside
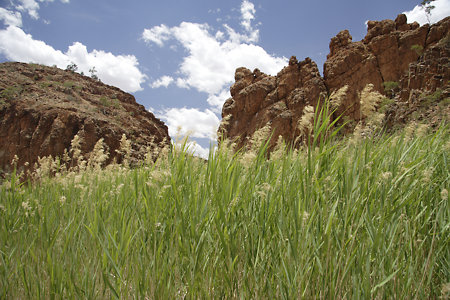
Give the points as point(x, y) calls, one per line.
point(43, 108)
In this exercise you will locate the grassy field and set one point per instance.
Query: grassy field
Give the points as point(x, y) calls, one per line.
point(359, 218)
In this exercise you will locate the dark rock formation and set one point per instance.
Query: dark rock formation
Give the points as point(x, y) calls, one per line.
point(43, 108)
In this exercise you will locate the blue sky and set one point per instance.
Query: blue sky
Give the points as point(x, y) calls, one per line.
point(178, 57)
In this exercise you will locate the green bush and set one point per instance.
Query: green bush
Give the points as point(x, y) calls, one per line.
point(68, 84)
point(46, 84)
point(11, 92)
point(429, 99)
point(418, 49)
point(3, 104)
point(105, 101)
point(390, 88)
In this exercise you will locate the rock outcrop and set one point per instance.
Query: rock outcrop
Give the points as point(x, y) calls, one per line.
point(411, 57)
point(424, 90)
point(43, 108)
point(384, 55)
point(259, 99)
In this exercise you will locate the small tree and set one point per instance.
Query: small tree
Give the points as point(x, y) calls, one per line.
point(390, 88)
point(72, 67)
point(418, 49)
point(93, 75)
point(426, 4)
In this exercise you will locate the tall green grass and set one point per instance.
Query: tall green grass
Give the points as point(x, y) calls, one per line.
point(361, 219)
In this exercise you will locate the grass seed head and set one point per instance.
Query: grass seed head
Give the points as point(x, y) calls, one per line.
point(338, 96)
point(421, 130)
point(369, 100)
point(98, 155)
point(75, 145)
point(445, 291)
point(125, 150)
point(279, 150)
point(305, 124)
point(14, 160)
point(259, 137)
point(386, 175)
point(426, 175)
point(248, 158)
point(222, 131)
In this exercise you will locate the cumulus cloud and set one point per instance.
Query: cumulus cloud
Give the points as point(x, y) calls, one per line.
point(10, 17)
point(197, 150)
point(216, 100)
point(118, 70)
point(212, 57)
point(29, 6)
point(248, 14)
point(208, 66)
point(164, 81)
point(190, 121)
point(13, 15)
point(441, 10)
point(16, 45)
point(157, 34)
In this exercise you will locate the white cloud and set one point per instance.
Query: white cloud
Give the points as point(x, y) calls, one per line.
point(218, 99)
point(219, 35)
point(10, 18)
point(32, 6)
point(210, 64)
point(118, 70)
point(164, 81)
point(441, 10)
point(16, 45)
point(29, 6)
point(212, 59)
point(248, 14)
point(192, 147)
point(197, 150)
point(157, 34)
point(191, 122)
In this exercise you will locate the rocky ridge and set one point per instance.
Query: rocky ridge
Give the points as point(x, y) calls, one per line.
point(43, 108)
point(413, 60)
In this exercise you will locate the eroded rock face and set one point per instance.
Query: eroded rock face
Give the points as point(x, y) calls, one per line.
point(415, 57)
point(383, 55)
point(43, 108)
point(431, 71)
point(425, 88)
point(259, 99)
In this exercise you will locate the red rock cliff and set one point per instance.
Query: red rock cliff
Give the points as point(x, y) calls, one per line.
point(43, 108)
point(413, 56)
